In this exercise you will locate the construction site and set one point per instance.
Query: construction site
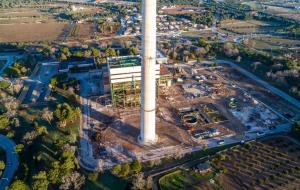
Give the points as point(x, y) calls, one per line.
point(197, 104)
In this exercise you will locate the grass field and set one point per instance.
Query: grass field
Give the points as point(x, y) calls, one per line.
point(31, 32)
point(242, 23)
point(274, 43)
point(106, 181)
point(207, 34)
point(25, 15)
point(182, 179)
point(247, 26)
point(284, 12)
point(19, 12)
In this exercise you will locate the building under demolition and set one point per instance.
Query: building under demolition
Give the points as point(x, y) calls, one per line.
point(124, 79)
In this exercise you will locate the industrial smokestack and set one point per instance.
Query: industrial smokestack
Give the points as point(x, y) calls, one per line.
point(148, 135)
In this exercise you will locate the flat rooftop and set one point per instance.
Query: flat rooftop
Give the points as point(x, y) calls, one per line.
point(124, 61)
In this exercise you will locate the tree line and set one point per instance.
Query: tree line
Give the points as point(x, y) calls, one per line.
point(15, 3)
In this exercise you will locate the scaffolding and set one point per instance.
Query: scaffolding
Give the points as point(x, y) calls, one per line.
point(128, 94)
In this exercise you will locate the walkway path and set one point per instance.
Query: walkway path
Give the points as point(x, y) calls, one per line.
point(12, 161)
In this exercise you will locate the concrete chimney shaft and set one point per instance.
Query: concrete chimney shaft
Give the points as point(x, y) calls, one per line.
point(148, 98)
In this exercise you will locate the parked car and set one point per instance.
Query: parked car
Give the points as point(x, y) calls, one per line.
point(220, 142)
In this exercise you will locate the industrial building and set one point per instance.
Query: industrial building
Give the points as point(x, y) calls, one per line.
point(124, 76)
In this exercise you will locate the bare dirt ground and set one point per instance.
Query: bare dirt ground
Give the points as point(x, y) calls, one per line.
point(81, 31)
point(281, 106)
point(20, 12)
point(179, 10)
point(31, 32)
point(121, 127)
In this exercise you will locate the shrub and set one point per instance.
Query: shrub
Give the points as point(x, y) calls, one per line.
point(93, 176)
point(4, 84)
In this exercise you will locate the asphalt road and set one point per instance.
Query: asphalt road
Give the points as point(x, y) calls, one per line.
point(12, 161)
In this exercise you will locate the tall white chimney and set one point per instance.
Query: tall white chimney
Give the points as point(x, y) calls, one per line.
point(148, 97)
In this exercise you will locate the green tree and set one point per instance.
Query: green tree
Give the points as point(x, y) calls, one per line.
point(4, 84)
point(19, 148)
point(95, 52)
point(110, 52)
point(116, 169)
point(64, 113)
point(125, 170)
point(62, 57)
point(136, 166)
point(2, 165)
point(133, 51)
point(58, 79)
point(12, 72)
point(15, 122)
point(93, 176)
point(78, 54)
point(4, 122)
point(54, 174)
point(42, 130)
point(10, 134)
point(40, 181)
point(292, 64)
point(65, 51)
point(68, 165)
point(202, 42)
point(18, 185)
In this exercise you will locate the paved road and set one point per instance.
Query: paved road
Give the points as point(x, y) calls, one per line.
point(12, 161)
point(273, 89)
point(86, 158)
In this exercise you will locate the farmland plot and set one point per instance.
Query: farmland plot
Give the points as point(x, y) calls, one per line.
point(266, 164)
point(31, 32)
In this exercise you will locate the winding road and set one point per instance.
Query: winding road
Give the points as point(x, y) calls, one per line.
point(12, 161)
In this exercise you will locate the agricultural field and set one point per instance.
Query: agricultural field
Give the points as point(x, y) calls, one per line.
point(32, 32)
point(272, 163)
point(207, 34)
point(274, 43)
point(269, 163)
point(247, 26)
point(46, 23)
point(180, 10)
point(285, 12)
point(82, 31)
point(25, 15)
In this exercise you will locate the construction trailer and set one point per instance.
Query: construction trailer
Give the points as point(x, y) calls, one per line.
point(125, 80)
